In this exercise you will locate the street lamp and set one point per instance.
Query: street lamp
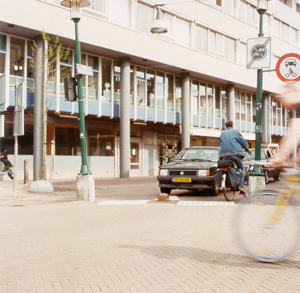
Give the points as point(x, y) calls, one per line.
point(261, 9)
point(159, 26)
point(75, 6)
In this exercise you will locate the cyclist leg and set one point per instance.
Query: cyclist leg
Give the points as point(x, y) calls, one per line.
point(239, 163)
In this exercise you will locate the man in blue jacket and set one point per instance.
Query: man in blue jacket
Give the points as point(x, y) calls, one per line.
point(233, 144)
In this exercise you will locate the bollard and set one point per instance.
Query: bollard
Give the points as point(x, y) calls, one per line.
point(26, 177)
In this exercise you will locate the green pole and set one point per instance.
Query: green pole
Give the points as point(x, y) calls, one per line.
point(84, 170)
point(257, 168)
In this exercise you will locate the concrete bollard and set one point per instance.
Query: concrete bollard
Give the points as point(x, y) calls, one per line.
point(256, 183)
point(26, 175)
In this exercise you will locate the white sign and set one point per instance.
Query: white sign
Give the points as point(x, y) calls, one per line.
point(258, 53)
point(84, 70)
point(288, 67)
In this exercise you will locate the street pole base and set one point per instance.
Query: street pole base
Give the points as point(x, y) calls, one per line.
point(85, 188)
point(256, 183)
point(84, 170)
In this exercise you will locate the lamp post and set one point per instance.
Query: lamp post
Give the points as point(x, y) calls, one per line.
point(261, 9)
point(75, 6)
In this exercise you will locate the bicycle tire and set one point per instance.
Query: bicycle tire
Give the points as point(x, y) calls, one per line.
point(229, 194)
point(10, 174)
point(260, 240)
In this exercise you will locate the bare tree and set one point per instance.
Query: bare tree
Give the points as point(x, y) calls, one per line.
point(53, 53)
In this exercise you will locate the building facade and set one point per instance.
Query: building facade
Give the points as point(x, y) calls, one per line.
point(183, 84)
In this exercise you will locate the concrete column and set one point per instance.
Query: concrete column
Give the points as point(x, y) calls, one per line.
point(265, 121)
point(125, 118)
point(230, 103)
point(38, 111)
point(185, 110)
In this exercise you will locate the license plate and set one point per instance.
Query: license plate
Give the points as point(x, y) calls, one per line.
point(175, 179)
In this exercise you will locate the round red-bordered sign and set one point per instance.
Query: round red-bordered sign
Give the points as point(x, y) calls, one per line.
point(288, 67)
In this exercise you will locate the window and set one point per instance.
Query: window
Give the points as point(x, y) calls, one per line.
point(215, 43)
point(275, 28)
point(117, 82)
point(293, 36)
point(170, 92)
point(243, 11)
point(67, 141)
point(178, 93)
point(242, 53)
point(119, 12)
point(253, 17)
point(97, 5)
point(106, 79)
point(217, 101)
point(278, 114)
point(201, 39)
point(160, 90)
point(229, 49)
point(169, 20)
point(248, 107)
point(101, 141)
point(195, 98)
point(243, 107)
point(150, 88)
point(237, 105)
point(30, 73)
point(144, 18)
point(93, 80)
point(253, 108)
point(283, 118)
point(2, 43)
point(66, 68)
point(2, 53)
point(182, 32)
point(203, 99)
point(224, 103)
point(228, 6)
point(141, 85)
point(17, 47)
point(274, 112)
point(210, 100)
point(285, 31)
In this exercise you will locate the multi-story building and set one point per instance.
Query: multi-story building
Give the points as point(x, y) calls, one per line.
point(196, 72)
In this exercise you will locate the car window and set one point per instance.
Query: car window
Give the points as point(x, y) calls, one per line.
point(198, 154)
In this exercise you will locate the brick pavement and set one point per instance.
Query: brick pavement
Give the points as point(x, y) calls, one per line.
point(53, 243)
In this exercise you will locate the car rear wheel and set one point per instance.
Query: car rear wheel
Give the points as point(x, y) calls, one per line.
point(277, 177)
point(165, 190)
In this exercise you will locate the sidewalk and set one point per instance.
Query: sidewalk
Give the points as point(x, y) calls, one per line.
point(54, 243)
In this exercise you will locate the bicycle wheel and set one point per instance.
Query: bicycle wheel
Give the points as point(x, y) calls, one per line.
point(229, 194)
point(262, 237)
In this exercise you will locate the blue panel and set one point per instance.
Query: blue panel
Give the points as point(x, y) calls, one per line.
point(106, 109)
point(131, 112)
point(160, 116)
point(237, 125)
point(274, 130)
point(218, 123)
point(150, 114)
point(178, 118)
point(243, 126)
point(195, 120)
point(92, 107)
point(203, 121)
point(141, 114)
point(223, 123)
point(253, 127)
point(170, 117)
point(210, 122)
point(249, 126)
point(117, 110)
point(12, 98)
point(30, 100)
point(75, 107)
point(65, 106)
point(51, 102)
point(283, 130)
point(279, 130)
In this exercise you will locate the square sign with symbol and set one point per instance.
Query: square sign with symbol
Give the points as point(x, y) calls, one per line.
point(258, 53)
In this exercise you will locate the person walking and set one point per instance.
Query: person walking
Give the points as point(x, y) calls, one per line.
point(232, 144)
